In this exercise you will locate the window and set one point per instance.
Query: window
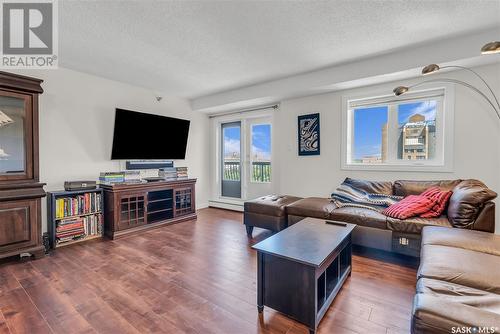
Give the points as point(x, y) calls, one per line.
point(409, 132)
point(261, 153)
point(231, 134)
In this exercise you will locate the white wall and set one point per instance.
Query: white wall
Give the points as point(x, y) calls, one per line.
point(76, 128)
point(476, 142)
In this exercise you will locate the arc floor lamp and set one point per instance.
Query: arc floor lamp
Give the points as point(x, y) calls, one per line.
point(489, 48)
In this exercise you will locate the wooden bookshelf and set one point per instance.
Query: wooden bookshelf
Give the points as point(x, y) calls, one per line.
point(54, 217)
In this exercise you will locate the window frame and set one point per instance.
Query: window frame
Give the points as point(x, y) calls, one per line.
point(443, 161)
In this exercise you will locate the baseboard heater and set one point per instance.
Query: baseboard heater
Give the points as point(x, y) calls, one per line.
point(226, 205)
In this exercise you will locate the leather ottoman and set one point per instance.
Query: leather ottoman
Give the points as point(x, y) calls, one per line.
point(267, 212)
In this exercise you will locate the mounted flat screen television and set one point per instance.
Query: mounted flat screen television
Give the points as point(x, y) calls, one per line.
point(145, 136)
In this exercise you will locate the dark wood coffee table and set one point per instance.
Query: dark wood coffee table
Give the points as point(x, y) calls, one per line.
point(302, 268)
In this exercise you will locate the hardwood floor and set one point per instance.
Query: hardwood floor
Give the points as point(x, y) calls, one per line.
point(193, 277)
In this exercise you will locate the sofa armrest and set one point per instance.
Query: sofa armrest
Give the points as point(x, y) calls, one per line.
point(434, 315)
point(485, 220)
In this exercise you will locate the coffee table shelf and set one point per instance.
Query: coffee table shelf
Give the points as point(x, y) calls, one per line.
point(332, 279)
point(302, 268)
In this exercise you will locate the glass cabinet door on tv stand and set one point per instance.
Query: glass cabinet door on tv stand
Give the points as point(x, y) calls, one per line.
point(184, 201)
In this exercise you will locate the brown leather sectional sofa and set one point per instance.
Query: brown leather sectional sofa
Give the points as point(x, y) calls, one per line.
point(470, 207)
point(458, 287)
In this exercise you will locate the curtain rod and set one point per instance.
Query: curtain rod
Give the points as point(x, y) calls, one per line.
point(273, 106)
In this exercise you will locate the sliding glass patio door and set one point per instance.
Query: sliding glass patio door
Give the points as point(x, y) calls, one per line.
point(231, 160)
point(258, 162)
point(246, 158)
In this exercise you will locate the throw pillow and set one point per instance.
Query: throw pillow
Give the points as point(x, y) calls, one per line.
point(441, 197)
point(410, 206)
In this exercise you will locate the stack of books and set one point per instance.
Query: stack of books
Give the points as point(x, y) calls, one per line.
point(112, 177)
point(78, 228)
point(132, 176)
point(78, 205)
point(68, 230)
point(182, 172)
point(169, 173)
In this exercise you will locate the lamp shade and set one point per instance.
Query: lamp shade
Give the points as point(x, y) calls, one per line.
point(491, 47)
point(400, 90)
point(4, 119)
point(430, 69)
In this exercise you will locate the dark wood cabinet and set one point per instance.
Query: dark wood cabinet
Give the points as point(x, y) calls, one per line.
point(130, 208)
point(15, 228)
point(20, 189)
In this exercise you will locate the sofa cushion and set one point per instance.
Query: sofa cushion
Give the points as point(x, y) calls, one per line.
point(441, 197)
point(458, 281)
point(415, 224)
point(485, 220)
point(316, 207)
point(467, 200)
point(360, 216)
point(460, 266)
point(271, 205)
point(472, 240)
point(460, 294)
point(410, 206)
point(406, 187)
point(371, 187)
point(435, 315)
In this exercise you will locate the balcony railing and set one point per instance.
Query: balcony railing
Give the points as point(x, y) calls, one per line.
point(231, 170)
point(261, 171)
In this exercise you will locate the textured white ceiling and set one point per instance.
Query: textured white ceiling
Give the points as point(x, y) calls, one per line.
point(194, 48)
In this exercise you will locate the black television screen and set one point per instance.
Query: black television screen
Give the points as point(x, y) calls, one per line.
point(145, 136)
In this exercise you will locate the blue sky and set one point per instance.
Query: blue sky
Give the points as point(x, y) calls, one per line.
point(368, 124)
point(261, 141)
point(232, 141)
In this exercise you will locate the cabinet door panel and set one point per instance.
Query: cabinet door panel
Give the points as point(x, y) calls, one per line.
point(15, 227)
point(184, 200)
point(131, 210)
point(16, 136)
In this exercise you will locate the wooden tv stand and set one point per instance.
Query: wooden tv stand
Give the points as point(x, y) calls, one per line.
point(132, 208)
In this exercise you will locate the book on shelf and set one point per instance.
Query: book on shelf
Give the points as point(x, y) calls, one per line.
point(182, 172)
point(173, 173)
point(169, 173)
point(132, 176)
point(78, 205)
point(129, 176)
point(112, 177)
